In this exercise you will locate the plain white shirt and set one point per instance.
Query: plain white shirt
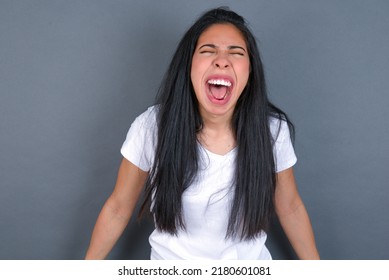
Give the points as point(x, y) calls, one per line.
point(207, 201)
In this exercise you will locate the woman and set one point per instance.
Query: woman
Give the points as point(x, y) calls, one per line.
point(214, 156)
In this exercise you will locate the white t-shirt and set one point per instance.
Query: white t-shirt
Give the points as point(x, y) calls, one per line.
point(207, 201)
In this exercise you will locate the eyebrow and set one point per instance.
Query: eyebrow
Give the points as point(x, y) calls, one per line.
point(229, 47)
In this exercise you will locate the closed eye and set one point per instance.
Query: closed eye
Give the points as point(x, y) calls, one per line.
point(237, 50)
point(233, 50)
point(207, 51)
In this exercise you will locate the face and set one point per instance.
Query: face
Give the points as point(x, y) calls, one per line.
point(220, 70)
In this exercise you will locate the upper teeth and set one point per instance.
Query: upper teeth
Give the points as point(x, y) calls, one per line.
point(220, 82)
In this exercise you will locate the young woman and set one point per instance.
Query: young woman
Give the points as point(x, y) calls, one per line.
point(213, 156)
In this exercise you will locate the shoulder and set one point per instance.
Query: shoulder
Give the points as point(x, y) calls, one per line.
point(148, 117)
point(139, 145)
point(144, 127)
point(279, 129)
point(283, 150)
point(146, 122)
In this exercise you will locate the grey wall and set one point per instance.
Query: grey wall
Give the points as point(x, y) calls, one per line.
point(74, 74)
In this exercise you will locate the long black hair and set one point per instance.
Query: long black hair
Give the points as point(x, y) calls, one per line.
point(179, 121)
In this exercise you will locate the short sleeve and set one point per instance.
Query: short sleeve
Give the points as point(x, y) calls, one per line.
point(139, 146)
point(284, 154)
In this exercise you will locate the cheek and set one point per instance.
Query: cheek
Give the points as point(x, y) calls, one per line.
point(245, 71)
point(195, 74)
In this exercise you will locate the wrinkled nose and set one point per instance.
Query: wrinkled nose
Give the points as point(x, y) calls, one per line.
point(221, 62)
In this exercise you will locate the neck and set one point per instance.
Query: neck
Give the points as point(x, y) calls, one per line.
point(216, 134)
point(215, 122)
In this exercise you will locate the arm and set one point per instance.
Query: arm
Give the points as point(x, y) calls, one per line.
point(117, 210)
point(293, 216)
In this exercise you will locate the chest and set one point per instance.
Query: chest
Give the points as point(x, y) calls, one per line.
point(206, 203)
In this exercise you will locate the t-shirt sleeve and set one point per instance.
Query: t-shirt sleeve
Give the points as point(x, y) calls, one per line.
point(284, 154)
point(138, 148)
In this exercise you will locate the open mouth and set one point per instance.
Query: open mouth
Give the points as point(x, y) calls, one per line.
point(219, 88)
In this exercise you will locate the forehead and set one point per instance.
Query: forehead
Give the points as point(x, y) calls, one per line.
point(222, 34)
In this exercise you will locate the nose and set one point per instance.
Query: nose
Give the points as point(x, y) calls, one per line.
point(221, 61)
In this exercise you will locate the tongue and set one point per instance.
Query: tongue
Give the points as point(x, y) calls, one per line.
point(218, 92)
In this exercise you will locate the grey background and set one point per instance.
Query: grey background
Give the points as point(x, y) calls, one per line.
point(74, 75)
